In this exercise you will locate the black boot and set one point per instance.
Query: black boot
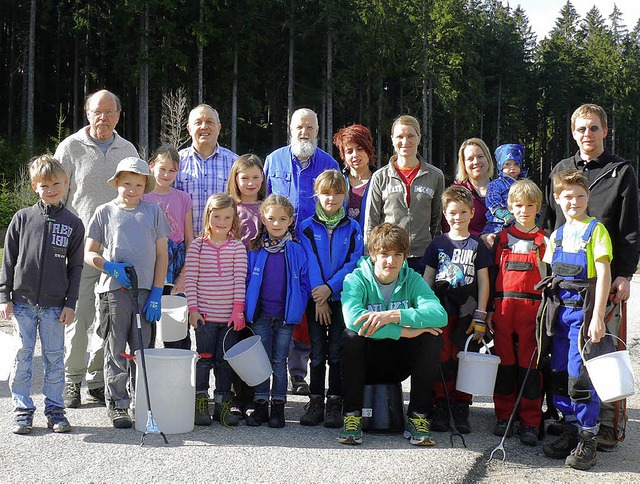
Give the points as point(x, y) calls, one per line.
point(258, 414)
point(314, 412)
point(461, 417)
point(333, 413)
point(562, 446)
point(276, 420)
point(440, 421)
point(583, 457)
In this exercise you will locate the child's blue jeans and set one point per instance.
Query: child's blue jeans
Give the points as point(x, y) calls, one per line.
point(210, 338)
point(29, 320)
point(276, 336)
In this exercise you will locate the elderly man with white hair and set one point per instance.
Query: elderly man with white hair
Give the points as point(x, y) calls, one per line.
point(291, 171)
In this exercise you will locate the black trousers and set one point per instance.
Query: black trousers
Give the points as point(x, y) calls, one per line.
point(369, 361)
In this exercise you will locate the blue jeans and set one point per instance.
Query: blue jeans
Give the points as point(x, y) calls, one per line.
point(326, 342)
point(276, 336)
point(29, 319)
point(210, 339)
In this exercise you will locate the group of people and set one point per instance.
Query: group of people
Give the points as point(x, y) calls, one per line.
point(379, 275)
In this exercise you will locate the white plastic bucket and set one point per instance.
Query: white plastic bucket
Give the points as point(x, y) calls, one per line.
point(173, 321)
point(249, 360)
point(477, 371)
point(611, 374)
point(9, 345)
point(172, 389)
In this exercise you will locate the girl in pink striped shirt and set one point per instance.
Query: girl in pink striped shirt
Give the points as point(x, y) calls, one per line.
point(215, 273)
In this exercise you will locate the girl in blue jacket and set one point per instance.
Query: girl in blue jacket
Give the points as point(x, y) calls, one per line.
point(277, 292)
point(333, 244)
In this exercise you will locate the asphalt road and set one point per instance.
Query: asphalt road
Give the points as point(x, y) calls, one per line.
point(95, 452)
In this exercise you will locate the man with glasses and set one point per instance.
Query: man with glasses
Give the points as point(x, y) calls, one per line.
point(613, 200)
point(90, 158)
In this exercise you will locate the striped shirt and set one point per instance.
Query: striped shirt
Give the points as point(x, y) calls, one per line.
point(202, 178)
point(215, 278)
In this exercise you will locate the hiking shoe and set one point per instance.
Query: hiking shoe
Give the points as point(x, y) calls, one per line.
point(583, 457)
point(562, 446)
point(202, 416)
point(607, 439)
point(299, 386)
point(227, 413)
point(71, 395)
point(529, 436)
point(119, 417)
point(351, 432)
point(501, 428)
point(258, 415)
point(98, 395)
point(333, 412)
point(276, 419)
point(57, 422)
point(441, 418)
point(22, 422)
point(314, 411)
point(461, 417)
point(416, 428)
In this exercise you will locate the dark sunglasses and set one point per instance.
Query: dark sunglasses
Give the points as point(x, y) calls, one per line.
point(593, 129)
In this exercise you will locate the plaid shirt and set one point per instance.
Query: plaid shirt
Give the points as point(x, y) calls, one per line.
point(202, 178)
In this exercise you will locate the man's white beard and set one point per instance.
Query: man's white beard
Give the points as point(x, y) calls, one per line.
point(303, 150)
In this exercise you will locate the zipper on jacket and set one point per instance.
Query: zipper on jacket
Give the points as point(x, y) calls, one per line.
point(48, 219)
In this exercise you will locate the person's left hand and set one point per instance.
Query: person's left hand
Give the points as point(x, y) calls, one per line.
point(152, 308)
point(597, 329)
point(323, 314)
point(321, 293)
point(620, 289)
point(372, 321)
point(66, 316)
point(237, 317)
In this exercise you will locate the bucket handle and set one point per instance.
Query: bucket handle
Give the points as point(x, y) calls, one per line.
point(589, 341)
point(224, 340)
point(466, 345)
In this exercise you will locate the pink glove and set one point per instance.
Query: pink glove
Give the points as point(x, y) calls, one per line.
point(237, 317)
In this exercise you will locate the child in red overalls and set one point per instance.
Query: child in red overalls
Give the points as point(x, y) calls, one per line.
point(519, 251)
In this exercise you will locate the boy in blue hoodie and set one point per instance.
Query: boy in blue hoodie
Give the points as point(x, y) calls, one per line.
point(392, 321)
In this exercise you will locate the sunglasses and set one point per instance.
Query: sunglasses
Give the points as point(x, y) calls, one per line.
point(583, 129)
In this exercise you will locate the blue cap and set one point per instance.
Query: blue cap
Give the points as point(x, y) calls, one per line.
point(513, 152)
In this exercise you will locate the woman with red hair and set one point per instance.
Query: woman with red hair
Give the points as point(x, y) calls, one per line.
point(356, 150)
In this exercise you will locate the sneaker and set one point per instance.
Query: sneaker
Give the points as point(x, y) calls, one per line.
point(416, 428)
point(299, 386)
point(227, 413)
point(529, 436)
point(71, 395)
point(441, 418)
point(461, 417)
point(333, 412)
point(351, 432)
point(501, 428)
point(98, 395)
point(57, 422)
point(258, 415)
point(119, 417)
point(23, 421)
point(607, 439)
point(583, 457)
point(314, 411)
point(562, 446)
point(276, 419)
point(202, 416)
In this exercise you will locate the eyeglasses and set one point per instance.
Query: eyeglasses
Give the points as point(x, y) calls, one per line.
point(98, 114)
point(583, 129)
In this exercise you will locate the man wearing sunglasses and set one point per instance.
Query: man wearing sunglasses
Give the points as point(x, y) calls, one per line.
point(613, 200)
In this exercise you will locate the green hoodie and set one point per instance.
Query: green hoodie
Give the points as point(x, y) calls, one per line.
point(419, 307)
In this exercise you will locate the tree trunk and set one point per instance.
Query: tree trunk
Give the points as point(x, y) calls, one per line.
point(613, 128)
point(499, 114)
point(77, 119)
point(31, 73)
point(143, 94)
point(234, 100)
point(201, 56)
point(329, 134)
point(291, 58)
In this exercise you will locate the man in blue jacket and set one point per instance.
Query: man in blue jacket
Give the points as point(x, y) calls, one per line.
point(291, 171)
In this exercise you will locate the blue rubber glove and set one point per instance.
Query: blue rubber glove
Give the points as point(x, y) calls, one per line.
point(118, 272)
point(152, 309)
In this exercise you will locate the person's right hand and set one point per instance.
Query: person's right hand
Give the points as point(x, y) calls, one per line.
point(323, 313)
point(117, 270)
point(194, 318)
point(6, 310)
